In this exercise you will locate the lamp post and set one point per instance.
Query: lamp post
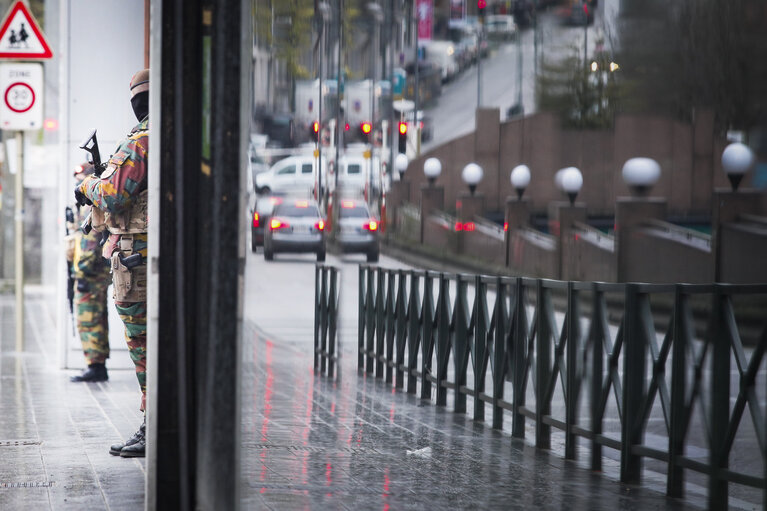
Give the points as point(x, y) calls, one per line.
point(432, 168)
point(472, 175)
point(640, 174)
point(323, 10)
point(401, 163)
point(737, 159)
point(520, 178)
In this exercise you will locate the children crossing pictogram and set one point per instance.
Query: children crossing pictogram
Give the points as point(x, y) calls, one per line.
point(20, 36)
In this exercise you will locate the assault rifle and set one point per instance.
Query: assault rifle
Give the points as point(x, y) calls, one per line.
point(91, 145)
point(69, 217)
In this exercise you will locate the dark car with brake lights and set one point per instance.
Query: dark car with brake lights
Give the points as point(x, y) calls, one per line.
point(356, 229)
point(259, 219)
point(295, 226)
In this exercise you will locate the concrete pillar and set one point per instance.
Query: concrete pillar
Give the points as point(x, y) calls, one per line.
point(398, 195)
point(468, 206)
point(727, 207)
point(432, 199)
point(629, 213)
point(562, 216)
point(517, 216)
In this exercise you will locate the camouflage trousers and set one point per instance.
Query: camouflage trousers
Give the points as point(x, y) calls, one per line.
point(90, 303)
point(133, 315)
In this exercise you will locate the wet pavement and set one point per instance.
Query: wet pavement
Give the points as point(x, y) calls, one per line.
point(309, 442)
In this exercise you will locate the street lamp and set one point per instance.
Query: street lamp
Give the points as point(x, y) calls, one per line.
point(737, 159)
point(401, 162)
point(570, 181)
point(432, 168)
point(520, 178)
point(472, 175)
point(641, 174)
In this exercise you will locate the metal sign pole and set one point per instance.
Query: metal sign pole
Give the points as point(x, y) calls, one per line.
point(19, 224)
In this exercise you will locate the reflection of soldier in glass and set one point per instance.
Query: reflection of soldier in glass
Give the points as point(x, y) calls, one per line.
point(23, 36)
point(92, 278)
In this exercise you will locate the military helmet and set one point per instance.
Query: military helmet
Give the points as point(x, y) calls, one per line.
point(139, 82)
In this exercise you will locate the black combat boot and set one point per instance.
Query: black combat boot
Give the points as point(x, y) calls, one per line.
point(94, 372)
point(138, 436)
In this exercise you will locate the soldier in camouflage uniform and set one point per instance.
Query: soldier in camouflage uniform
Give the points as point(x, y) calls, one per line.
point(92, 278)
point(121, 193)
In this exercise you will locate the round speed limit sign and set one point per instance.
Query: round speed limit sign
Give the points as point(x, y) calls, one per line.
point(21, 96)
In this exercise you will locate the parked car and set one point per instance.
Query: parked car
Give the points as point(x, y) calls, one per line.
point(294, 174)
point(356, 229)
point(295, 226)
point(260, 215)
point(500, 27)
point(578, 14)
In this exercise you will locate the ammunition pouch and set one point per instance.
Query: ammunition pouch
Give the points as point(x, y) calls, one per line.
point(99, 219)
point(133, 221)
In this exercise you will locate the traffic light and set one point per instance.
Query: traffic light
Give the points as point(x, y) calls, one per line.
point(402, 128)
point(481, 4)
point(315, 131)
point(365, 129)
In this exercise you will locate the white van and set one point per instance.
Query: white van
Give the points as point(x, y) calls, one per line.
point(500, 27)
point(443, 55)
point(294, 174)
point(357, 174)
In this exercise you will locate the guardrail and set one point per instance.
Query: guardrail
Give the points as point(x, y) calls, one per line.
point(412, 323)
point(326, 296)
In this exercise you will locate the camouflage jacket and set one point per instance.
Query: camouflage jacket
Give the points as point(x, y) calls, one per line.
point(121, 183)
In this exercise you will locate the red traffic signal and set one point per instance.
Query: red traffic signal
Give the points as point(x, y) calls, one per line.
point(316, 127)
point(366, 128)
point(402, 128)
point(481, 4)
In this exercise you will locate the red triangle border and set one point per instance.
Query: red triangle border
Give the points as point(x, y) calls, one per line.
point(46, 53)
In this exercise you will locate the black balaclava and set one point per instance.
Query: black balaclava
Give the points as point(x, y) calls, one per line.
point(140, 104)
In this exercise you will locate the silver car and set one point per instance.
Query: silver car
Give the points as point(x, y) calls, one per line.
point(357, 229)
point(295, 226)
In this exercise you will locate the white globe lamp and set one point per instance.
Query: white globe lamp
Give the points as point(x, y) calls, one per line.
point(520, 178)
point(432, 168)
point(640, 174)
point(737, 159)
point(472, 175)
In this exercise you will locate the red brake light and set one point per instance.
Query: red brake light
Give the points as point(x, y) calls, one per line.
point(320, 226)
point(458, 226)
point(276, 223)
point(372, 225)
point(347, 204)
point(302, 204)
point(505, 226)
point(347, 127)
point(466, 226)
point(255, 219)
point(275, 201)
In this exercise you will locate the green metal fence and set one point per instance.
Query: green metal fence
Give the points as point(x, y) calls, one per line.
point(625, 351)
point(325, 319)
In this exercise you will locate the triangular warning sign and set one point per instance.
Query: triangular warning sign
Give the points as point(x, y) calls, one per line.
point(20, 36)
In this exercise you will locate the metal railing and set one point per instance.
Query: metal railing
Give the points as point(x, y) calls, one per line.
point(633, 366)
point(326, 294)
